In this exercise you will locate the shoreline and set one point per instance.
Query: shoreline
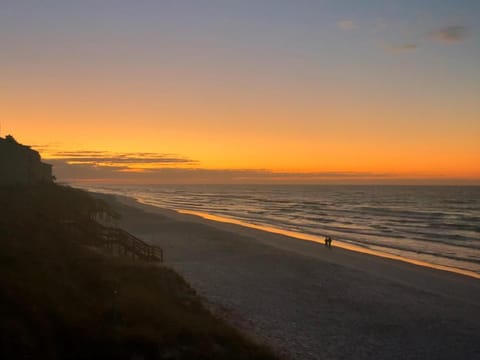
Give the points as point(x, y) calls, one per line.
point(318, 239)
point(309, 301)
point(425, 255)
point(313, 238)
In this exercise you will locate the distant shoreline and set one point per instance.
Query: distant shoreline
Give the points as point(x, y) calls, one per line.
point(307, 237)
point(337, 243)
point(432, 228)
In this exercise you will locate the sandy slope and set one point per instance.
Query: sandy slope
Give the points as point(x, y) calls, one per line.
point(314, 303)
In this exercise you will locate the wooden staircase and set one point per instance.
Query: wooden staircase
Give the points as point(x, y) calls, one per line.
point(123, 243)
point(117, 241)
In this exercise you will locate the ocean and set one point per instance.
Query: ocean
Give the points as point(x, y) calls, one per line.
point(435, 224)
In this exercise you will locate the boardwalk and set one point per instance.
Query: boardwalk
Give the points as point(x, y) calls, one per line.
point(116, 241)
point(122, 242)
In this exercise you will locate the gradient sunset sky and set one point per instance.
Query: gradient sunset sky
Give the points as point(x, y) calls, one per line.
point(333, 91)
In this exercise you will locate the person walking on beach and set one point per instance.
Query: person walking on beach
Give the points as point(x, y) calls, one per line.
point(328, 241)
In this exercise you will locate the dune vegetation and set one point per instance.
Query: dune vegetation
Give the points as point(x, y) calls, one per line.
point(62, 298)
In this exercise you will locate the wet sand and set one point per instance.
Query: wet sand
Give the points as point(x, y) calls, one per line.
point(311, 302)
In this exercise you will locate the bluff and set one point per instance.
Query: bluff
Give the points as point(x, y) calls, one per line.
point(19, 164)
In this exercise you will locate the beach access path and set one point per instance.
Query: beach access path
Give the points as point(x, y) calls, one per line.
point(311, 302)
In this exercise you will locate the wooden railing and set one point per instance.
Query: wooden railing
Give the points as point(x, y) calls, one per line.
point(117, 241)
point(127, 244)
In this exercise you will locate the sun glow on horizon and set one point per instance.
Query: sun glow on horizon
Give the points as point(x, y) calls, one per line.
point(236, 91)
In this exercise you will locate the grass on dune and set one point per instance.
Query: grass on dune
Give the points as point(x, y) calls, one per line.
point(61, 299)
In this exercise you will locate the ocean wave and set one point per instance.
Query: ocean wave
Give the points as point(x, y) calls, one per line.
point(439, 222)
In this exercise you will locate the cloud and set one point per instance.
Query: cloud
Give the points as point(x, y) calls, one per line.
point(450, 34)
point(118, 161)
point(446, 35)
point(122, 174)
point(159, 168)
point(408, 47)
point(82, 172)
point(346, 25)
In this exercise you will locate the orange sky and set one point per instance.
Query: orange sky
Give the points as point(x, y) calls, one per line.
point(338, 101)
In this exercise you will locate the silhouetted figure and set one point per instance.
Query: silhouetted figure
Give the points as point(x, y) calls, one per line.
point(328, 242)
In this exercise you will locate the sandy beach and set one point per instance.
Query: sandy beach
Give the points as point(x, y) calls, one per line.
point(310, 302)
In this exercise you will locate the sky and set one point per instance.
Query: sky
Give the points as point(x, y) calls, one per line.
point(234, 91)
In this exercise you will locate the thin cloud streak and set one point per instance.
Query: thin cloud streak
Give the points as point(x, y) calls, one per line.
point(113, 159)
point(346, 25)
point(446, 35)
point(66, 171)
point(127, 160)
point(409, 47)
point(123, 175)
point(450, 34)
